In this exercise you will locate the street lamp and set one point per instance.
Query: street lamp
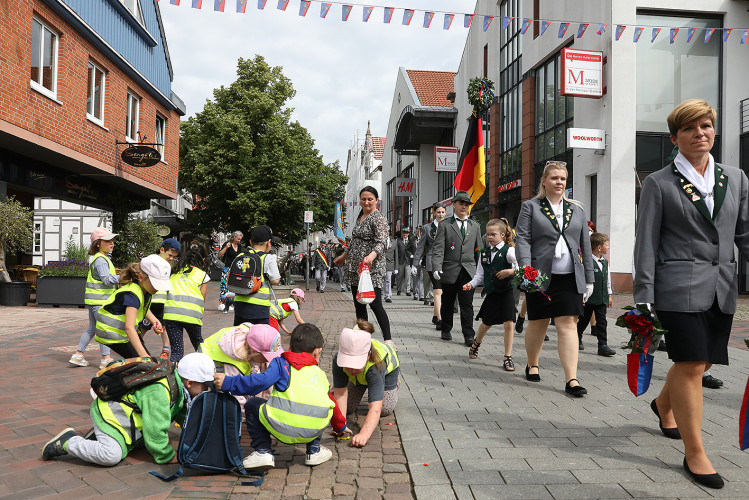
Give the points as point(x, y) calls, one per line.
point(308, 197)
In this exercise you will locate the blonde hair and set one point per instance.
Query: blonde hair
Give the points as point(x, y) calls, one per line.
point(554, 165)
point(504, 228)
point(130, 274)
point(688, 111)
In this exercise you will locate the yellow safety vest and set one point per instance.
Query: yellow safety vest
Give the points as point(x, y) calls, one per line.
point(110, 328)
point(97, 292)
point(277, 311)
point(211, 348)
point(262, 296)
point(386, 353)
point(159, 297)
point(184, 302)
point(303, 410)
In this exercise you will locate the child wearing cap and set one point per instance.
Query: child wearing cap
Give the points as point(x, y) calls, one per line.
point(281, 309)
point(255, 308)
point(116, 437)
point(300, 406)
point(364, 364)
point(117, 319)
point(101, 282)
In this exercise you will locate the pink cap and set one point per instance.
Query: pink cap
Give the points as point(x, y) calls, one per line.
point(298, 292)
point(353, 348)
point(266, 340)
point(102, 233)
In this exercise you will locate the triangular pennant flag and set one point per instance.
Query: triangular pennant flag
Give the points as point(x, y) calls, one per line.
point(544, 26)
point(241, 6)
point(691, 33)
point(407, 15)
point(467, 20)
point(198, 4)
point(388, 14)
point(526, 24)
point(218, 5)
point(674, 33)
point(448, 21)
point(726, 33)
point(709, 34)
point(304, 7)
point(601, 28)
point(261, 4)
point(563, 29)
point(619, 30)
point(282, 4)
point(581, 29)
point(324, 8)
point(428, 16)
point(345, 11)
point(505, 22)
point(487, 22)
point(174, 2)
point(366, 13)
point(636, 36)
point(656, 32)
point(744, 37)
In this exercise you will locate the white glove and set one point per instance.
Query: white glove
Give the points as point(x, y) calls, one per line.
point(437, 275)
point(395, 271)
point(588, 291)
point(414, 270)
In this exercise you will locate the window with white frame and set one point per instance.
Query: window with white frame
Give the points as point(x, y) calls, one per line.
point(44, 43)
point(160, 135)
point(133, 108)
point(134, 7)
point(95, 95)
point(37, 237)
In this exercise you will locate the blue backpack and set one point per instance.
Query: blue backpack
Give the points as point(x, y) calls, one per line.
point(210, 437)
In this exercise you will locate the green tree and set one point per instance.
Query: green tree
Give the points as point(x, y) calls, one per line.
point(247, 163)
point(137, 238)
point(15, 230)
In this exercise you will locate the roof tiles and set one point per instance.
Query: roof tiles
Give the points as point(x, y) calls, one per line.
point(432, 87)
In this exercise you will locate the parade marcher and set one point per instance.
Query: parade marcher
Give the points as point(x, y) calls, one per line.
point(416, 287)
point(101, 282)
point(280, 309)
point(320, 263)
point(391, 268)
point(552, 233)
point(403, 259)
point(693, 212)
point(454, 264)
point(426, 248)
point(185, 302)
point(601, 298)
point(255, 308)
point(227, 254)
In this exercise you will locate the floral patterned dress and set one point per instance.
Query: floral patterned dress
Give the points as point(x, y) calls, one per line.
point(369, 234)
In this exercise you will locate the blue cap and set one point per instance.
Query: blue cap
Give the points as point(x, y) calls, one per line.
point(171, 243)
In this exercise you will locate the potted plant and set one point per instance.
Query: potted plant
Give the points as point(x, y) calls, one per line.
point(63, 282)
point(15, 234)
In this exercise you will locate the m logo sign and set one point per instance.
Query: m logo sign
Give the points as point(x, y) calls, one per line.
point(582, 73)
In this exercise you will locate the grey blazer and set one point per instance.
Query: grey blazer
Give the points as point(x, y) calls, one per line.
point(537, 237)
point(426, 244)
point(684, 258)
point(452, 253)
point(391, 257)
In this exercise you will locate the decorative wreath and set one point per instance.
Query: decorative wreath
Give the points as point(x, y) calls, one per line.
point(481, 93)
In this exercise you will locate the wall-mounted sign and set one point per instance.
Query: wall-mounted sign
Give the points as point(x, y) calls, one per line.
point(445, 159)
point(510, 185)
point(586, 138)
point(308, 217)
point(141, 156)
point(163, 231)
point(582, 73)
point(405, 187)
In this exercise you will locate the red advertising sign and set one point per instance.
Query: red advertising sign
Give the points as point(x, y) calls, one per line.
point(405, 187)
point(582, 73)
point(510, 185)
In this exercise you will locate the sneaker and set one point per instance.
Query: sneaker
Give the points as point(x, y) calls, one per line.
point(78, 360)
point(259, 461)
point(519, 324)
point(322, 456)
point(90, 435)
point(104, 363)
point(388, 300)
point(580, 345)
point(231, 308)
point(605, 350)
point(220, 306)
point(56, 446)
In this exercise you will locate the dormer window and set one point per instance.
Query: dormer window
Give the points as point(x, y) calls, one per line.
point(134, 7)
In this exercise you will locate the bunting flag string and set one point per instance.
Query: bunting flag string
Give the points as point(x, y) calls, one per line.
point(388, 14)
point(345, 11)
point(448, 21)
point(709, 34)
point(744, 37)
point(175, 2)
point(601, 28)
point(544, 26)
point(505, 22)
point(304, 7)
point(428, 18)
point(619, 31)
point(526, 24)
point(581, 29)
point(198, 4)
point(726, 33)
point(366, 13)
point(261, 4)
point(692, 31)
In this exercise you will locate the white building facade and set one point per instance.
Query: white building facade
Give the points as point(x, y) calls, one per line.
point(363, 168)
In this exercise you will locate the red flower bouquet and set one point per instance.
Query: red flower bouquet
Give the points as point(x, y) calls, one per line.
point(530, 280)
point(646, 332)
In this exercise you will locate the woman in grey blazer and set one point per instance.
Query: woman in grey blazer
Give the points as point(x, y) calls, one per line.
point(552, 236)
point(692, 213)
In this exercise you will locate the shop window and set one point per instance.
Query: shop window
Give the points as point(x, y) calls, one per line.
point(95, 94)
point(44, 47)
point(37, 238)
point(133, 109)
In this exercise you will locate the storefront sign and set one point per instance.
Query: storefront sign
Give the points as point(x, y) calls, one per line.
point(510, 185)
point(405, 187)
point(586, 138)
point(445, 159)
point(582, 73)
point(141, 156)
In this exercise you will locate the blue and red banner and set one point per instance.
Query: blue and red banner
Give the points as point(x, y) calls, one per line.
point(505, 22)
point(744, 37)
point(726, 33)
point(636, 36)
point(428, 16)
point(366, 13)
point(601, 28)
point(282, 4)
point(174, 2)
point(619, 31)
point(674, 33)
point(467, 20)
point(345, 12)
point(581, 29)
point(197, 4)
point(691, 33)
point(218, 5)
point(544, 26)
point(448, 21)
point(639, 372)
point(654, 35)
point(304, 7)
point(709, 34)
point(526, 24)
point(241, 6)
point(388, 14)
point(407, 15)
point(563, 29)
point(324, 8)
point(487, 22)
point(261, 4)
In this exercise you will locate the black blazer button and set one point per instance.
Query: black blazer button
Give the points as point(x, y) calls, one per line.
point(715, 262)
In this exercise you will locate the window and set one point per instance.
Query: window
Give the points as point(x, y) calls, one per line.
point(37, 237)
point(95, 96)
point(160, 135)
point(131, 125)
point(134, 7)
point(43, 59)
point(510, 97)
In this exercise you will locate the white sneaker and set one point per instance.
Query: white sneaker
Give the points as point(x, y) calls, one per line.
point(259, 461)
point(322, 456)
point(220, 306)
point(78, 360)
point(231, 308)
point(104, 363)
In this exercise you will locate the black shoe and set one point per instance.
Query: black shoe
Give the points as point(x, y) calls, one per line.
point(533, 377)
point(399, 292)
point(322, 291)
point(438, 325)
point(578, 391)
point(711, 382)
point(671, 432)
point(90, 435)
point(519, 324)
point(446, 336)
point(546, 338)
point(580, 345)
point(56, 446)
point(434, 320)
point(408, 294)
point(604, 350)
point(416, 298)
point(426, 302)
point(431, 302)
point(468, 341)
point(455, 309)
point(709, 480)
point(317, 288)
point(388, 300)
point(552, 322)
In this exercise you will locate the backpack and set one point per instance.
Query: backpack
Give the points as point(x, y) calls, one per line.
point(245, 273)
point(210, 437)
point(125, 375)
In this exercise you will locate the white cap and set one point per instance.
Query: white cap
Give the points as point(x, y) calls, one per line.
point(158, 271)
point(197, 367)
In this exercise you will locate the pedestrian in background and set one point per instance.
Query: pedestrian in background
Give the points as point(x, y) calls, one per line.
point(391, 268)
point(402, 242)
point(424, 251)
point(416, 286)
point(320, 263)
point(601, 298)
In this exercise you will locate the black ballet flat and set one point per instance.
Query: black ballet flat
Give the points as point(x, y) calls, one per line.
point(578, 391)
point(671, 432)
point(533, 377)
point(709, 480)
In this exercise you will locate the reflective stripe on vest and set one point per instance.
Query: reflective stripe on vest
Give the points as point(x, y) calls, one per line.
point(386, 353)
point(211, 348)
point(110, 328)
point(262, 296)
point(277, 311)
point(301, 412)
point(97, 292)
point(184, 303)
point(159, 297)
point(125, 419)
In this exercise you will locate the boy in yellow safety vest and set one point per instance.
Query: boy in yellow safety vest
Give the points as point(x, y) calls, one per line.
point(300, 406)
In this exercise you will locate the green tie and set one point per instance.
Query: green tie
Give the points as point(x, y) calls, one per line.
point(463, 228)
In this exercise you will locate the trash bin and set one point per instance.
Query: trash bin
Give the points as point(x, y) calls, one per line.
point(15, 293)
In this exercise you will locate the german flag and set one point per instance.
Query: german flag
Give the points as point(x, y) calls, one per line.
point(472, 174)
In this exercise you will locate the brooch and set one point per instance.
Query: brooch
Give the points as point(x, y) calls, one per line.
point(452, 246)
point(695, 197)
point(720, 184)
point(689, 191)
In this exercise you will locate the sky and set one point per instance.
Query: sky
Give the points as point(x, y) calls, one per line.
point(344, 72)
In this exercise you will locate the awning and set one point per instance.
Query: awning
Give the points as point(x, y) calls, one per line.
point(422, 125)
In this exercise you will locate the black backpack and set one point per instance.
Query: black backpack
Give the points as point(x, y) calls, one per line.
point(123, 376)
point(210, 437)
point(245, 273)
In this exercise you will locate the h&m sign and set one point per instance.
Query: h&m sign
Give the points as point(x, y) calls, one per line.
point(405, 187)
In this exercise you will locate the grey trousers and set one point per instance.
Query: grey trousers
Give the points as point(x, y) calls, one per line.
point(88, 335)
point(356, 392)
point(404, 278)
point(321, 275)
point(387, 288)
point(104, 451)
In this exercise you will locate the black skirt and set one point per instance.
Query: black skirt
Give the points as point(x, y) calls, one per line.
point(565, 301)
point(701, 336)
point(497, 308)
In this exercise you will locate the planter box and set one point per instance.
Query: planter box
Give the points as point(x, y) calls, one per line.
point(15, 293)
point(55, 291)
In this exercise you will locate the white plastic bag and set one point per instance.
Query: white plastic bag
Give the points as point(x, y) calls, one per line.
point(365, 293)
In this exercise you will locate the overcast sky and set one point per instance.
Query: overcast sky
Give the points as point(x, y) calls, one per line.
point(343, 72)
